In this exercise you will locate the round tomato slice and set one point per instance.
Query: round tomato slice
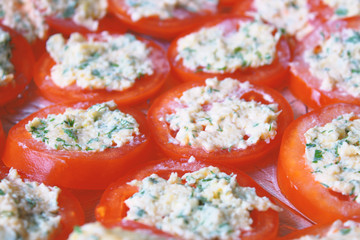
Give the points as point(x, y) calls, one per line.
point(303, 84)
point(144, 87)
point(168, 28)
point(70, 210)
point(295, 179)
point(163, 135)
point(67, 26)
point(23, 59)
point(317, 230)
point(112, 208)
point(272, 75)
point(73, 169)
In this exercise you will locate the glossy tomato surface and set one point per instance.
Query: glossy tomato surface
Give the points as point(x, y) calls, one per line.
point(73, 169)
point(23, 60)
point(295, 179)
point(2, 139)
point(67, 26)
point(316, 230)
point(303, 84)
point(165, 29)
point(112, 208)
point(162, 133)
point(274, 75)
point(144, 87)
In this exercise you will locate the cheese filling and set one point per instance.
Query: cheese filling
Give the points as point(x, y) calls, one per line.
point(214, 117)
point(290, 15)
point(336, 62)
point(29, 17)
point(28, 210)
point(112, 63)
point(333, 153)
point(85, 13)
point(344, 8)
point(96, 231)
point(6, 67)
point(338, 231)
point(206, 204)
point(166, 9)
point(97, 128)
point(214, 50)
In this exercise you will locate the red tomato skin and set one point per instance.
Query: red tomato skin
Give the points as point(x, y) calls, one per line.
point(73, 169)
point(242, 158)
point(23, 60)
point(2, 139)
point(112, 208)
point(71, 214)
point(165, 29)
point(303, 84)
point(67, 26)
point(143, 89)
point(295, 180)
point(274, 75)
point(315, 230)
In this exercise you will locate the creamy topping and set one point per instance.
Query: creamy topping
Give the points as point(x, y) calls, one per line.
point(333, 153)
point(83, 12)
point(6, 67)
point(96, 231)
point(348, 230)
point(216, 50)
point(113, 62)
point(336, 62)
point(97, 128)
point(206, 204)
point(344, 8)
point(290, 15)
point(214, 117)
point(28, 210)
point(166, 9)
point(29, 17)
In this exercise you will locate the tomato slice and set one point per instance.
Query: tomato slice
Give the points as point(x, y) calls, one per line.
point(67, 26)
point(70, 210)
point(295, 180)
point(167, 28)
point(144, 88)
point(73, 169)
point(239, 157)
point(112, 208)
point(316, 230)
point(273, 75)
point(303, 84)
point(23, 60)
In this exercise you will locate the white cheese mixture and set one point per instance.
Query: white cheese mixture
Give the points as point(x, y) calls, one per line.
point(86, 13)
point(28, 210)
point(165, 9)
point(206, 204)
point(97, 128)
point(348, 230)
point(214, 50)
point(290, 15)
point(96, 231)
point(6, 67)
point(114, 62)
point(25, 17)
point(333, 153)
point(344, 8)
point(214, 117)
point(335, 61)
point(29, 17)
